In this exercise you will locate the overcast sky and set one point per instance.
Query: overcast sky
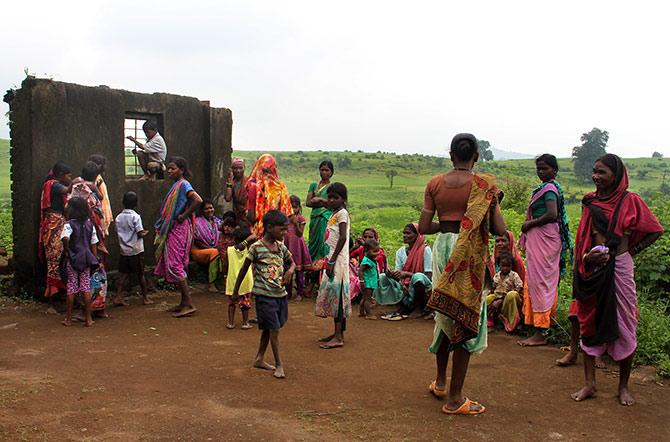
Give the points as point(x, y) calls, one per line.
point(529, 76)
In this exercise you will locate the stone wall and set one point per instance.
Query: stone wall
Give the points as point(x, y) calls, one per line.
point(53, 121)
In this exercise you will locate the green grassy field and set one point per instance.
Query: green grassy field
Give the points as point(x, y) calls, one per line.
point(372, 202)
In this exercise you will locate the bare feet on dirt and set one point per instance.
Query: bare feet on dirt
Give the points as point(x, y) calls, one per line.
point(587, 392)
point(184, 311)
point(567, 360)
point(333, 343)
point(259, 363)
point(326, 338)
point(89, 323)
point(625, 398)
point(533, 341)
point(66, 323)
point(279, 372)
point(119, 302)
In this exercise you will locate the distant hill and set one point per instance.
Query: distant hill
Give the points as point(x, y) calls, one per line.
point(499, 154)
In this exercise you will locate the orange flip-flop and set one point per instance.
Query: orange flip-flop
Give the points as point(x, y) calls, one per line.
point(465, 408)
point(437, 392)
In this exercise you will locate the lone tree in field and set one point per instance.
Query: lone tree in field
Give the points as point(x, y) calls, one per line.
point(592, 148)
point(484, 148)
point(390, 174)
point(658, 155)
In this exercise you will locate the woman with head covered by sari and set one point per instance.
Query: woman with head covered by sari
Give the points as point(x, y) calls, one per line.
point(467, 209)
point(265, 192)
point(615, 226)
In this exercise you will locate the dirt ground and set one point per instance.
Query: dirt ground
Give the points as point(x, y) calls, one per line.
point(142, 375)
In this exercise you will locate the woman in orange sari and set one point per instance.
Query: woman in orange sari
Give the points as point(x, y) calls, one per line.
point(467, 209)
point(265, 192)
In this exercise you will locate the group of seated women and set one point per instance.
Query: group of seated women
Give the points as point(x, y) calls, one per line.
point(407, 286)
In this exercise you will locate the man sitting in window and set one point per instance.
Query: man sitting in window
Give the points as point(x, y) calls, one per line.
point(151, 155)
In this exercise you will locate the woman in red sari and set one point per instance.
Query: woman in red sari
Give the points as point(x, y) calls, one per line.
point(52, 219)
point(615, 226)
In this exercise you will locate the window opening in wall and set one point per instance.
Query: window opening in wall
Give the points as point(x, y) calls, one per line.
point(132, 127)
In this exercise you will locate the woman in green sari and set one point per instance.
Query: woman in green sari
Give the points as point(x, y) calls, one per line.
point(317, 200)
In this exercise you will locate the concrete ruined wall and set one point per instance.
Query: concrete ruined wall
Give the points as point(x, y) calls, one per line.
point(53, 121)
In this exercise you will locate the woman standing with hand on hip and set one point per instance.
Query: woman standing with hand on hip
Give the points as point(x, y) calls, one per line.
point(546, 241)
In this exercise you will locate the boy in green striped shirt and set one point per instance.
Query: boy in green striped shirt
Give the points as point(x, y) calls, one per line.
point(272, 265)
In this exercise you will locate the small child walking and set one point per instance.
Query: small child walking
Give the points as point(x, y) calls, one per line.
point(272, 265)
point(131, 235)
point(506, 299)
point(368, 274)
point(232, 266)
point(333, 298)
point(79, 246)
point(296, 245)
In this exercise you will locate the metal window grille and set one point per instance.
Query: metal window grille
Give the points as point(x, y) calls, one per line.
point(132, 127)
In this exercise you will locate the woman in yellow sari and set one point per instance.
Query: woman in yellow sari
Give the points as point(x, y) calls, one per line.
point(466, 206)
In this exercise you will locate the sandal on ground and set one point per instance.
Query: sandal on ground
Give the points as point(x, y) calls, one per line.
point(231, 326)
point(465, 408)
point(247, 326)
point(333, 345)
point(437, 392)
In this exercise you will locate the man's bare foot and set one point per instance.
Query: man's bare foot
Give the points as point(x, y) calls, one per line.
point(569, 359)
point(326, 338)
point(533, 341)
point(66, 322)
point(587, 392)
point(333, 343)
point(119, 302)
point(259, 363)
point(147, 301)
point(279, 372)
point(185, 311)
point(625, 398)
point(89, 323)
point(600, 363)
point(51, 311)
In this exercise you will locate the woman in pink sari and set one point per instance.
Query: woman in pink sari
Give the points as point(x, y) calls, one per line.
point(546, 240)
point(174, 233)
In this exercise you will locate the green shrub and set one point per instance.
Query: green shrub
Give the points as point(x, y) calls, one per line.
point(652, 266)
point(653, 336)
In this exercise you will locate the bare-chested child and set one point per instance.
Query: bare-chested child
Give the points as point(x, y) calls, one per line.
point(272, 265)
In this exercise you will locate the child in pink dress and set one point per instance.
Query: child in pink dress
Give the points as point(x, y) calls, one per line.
point(296, 245)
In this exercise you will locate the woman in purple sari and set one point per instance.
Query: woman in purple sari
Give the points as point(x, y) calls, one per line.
point(546, 240)
point(206, 239)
